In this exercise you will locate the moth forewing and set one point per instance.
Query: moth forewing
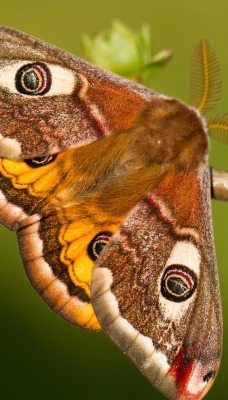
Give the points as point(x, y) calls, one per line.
point(87, 153)
point(70, 101)
point(150, 284)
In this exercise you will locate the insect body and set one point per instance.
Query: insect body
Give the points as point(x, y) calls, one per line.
point(90, 160)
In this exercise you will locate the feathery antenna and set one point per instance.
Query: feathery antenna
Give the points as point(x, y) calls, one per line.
point(206, 82)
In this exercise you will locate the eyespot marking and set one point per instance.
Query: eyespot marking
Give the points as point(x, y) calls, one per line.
point(178, 283)
point(33, 79)
point(97, 244)
point(40, 161)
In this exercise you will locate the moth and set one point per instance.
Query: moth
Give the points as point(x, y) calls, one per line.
point(107, 185)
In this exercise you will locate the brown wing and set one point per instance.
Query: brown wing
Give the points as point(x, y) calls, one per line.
point(155, 287)
point(52, 101)
point(54, 240)
point(64, 209)
point(99, 184)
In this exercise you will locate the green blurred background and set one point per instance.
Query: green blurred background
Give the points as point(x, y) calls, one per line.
point(41, 355)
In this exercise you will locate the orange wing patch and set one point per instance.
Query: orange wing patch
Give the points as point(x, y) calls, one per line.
point(54, 244)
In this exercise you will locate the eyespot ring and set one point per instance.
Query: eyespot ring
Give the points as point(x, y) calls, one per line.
point(178, 283)
point(40, 161)
point(97, 244)
point(33, 79)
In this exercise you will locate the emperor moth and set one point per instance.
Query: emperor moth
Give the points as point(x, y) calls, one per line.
point(91, 160)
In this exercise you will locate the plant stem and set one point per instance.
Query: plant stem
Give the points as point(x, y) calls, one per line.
point(219, 184)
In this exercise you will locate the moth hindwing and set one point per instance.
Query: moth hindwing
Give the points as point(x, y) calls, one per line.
point(91, 160)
